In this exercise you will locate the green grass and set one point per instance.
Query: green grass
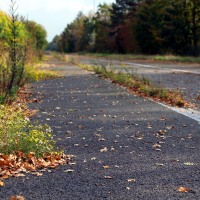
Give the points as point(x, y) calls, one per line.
point(139, 85)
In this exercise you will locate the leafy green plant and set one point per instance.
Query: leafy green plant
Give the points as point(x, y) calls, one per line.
point(18, 134)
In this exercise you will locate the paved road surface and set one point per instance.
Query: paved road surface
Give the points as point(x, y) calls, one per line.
point(183, 77)
point(125, 147)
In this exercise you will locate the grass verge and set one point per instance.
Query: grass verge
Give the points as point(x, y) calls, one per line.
point(139, 85)
point(169, 58)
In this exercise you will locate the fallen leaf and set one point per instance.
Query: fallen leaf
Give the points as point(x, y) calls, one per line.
point(1, 183)
point(108, 177)
point(101, 139)
point(69, 171)
point(183, 189)
point(18, 197)
point(188, 163)
point(38, 174)
point(19, 175)
point(156, 146)
point(130, 180)
point(72, 163)
point(159, 164)
point(162, 132)
point(105, 149)
point(106, 167)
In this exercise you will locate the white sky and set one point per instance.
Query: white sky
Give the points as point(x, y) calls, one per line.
point(54, 15)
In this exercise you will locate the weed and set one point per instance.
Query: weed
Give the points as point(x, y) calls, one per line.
point(18, 134)
point(140, 85)
point(34, 73)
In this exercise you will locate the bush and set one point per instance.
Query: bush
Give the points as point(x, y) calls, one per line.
point(18, 134)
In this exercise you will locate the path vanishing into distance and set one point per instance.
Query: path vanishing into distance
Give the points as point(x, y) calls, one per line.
point(125, 147)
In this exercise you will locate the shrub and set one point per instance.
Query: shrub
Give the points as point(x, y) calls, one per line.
point(18, 134)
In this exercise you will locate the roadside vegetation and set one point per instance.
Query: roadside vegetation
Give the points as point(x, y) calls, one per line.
point(149, 58)
point(139, 85)
point(24, 146)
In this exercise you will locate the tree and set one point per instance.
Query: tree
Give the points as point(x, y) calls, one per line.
point(148, 26)
point(102, 28)
point(37, 34)
point(194, 19)
point(54, 44)
point(17, 52)
point(123, 18)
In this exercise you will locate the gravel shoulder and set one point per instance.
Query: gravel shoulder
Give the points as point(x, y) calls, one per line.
point(125, 147)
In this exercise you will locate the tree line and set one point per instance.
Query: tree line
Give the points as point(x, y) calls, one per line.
point(135, 26)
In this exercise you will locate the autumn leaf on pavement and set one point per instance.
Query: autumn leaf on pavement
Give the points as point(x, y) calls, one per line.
point(105, 149)
point(183, 189)
point(108, 177)
point(18, 197)
point(69, 171)
point(1, 183)
point(130, 180)
point(106, 167)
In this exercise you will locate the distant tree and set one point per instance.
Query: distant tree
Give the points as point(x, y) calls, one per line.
point(103, 41)
point(37, 34)
point(149, 25)
point(122, 24)
point(168, 26)
point(194, 19)
point(54, 44)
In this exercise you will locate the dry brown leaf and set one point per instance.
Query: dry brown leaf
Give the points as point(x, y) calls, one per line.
point(101, 139)
point(18, 197)
point(15, 165)
point(105, 149)
point(183, 189)
point(108, 177)
point(69, 170)
point(156, 146)
point(1, 183)
point(106, 167)
point(4, 176)
point(130, 180)
point(19, 175)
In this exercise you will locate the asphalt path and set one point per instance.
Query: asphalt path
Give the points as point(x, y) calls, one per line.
point(183, 77)
point(125, 147)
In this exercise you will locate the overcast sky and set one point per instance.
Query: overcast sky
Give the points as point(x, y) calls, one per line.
point(54, 15)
